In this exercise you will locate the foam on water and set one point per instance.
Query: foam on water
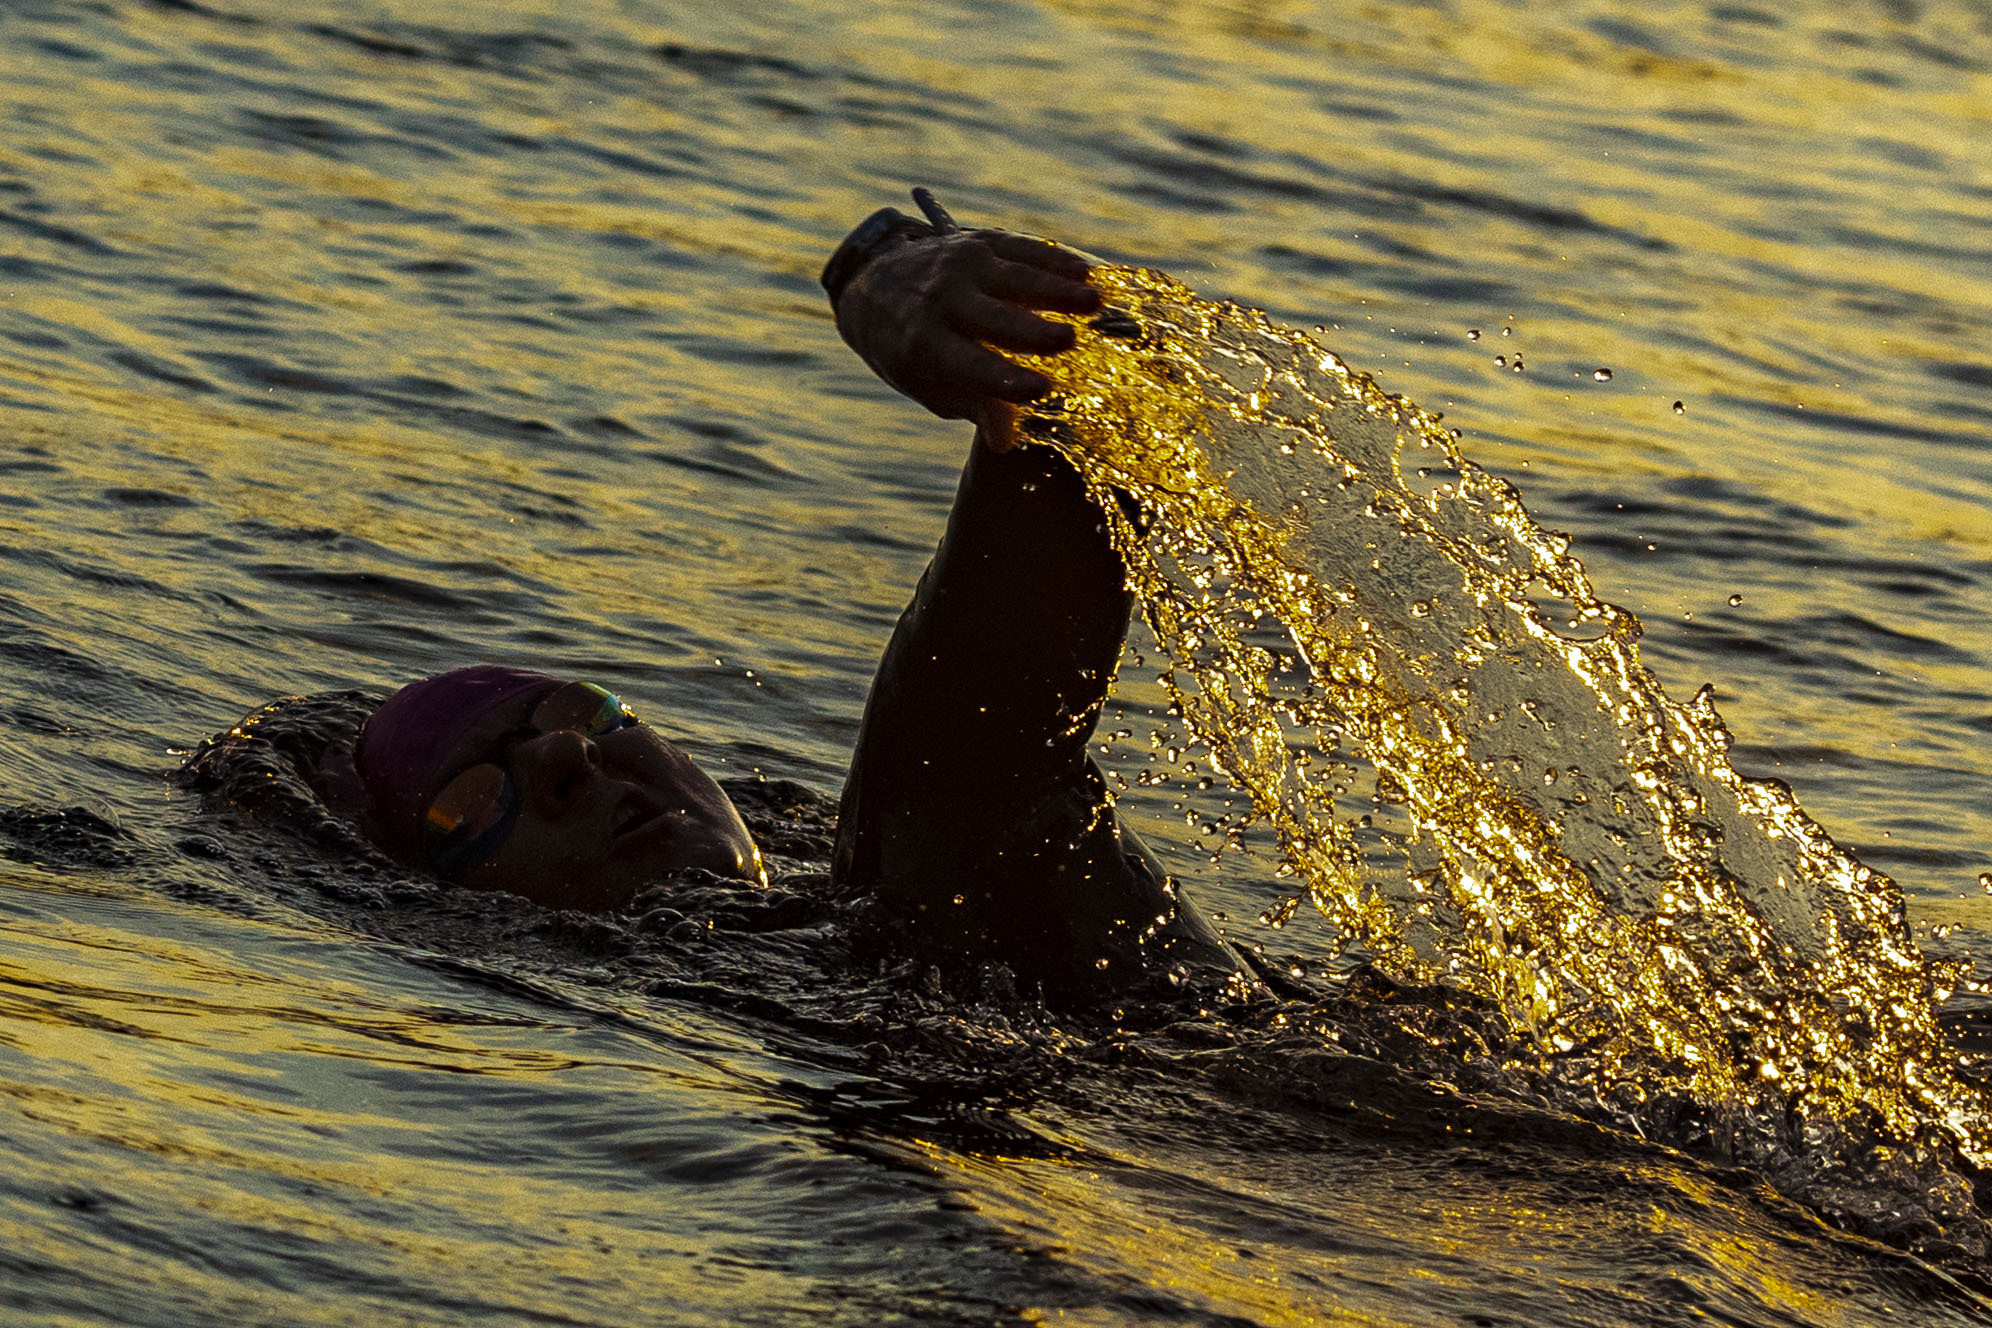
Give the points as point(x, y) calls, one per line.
point(1470, 773)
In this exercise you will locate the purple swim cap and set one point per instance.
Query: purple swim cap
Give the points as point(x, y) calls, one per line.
point(402, 750)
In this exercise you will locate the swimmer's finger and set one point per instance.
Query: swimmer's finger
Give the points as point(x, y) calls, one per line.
point(957, 376)
point(1006, 326)
point(996, 427)
point(1038, 289)
point(977, 372)
point(1021, 385)
point(1037, 253)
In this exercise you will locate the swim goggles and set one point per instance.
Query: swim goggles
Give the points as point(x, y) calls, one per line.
point(468, 821)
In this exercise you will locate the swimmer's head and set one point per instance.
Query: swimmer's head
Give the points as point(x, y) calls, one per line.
point(507, 779)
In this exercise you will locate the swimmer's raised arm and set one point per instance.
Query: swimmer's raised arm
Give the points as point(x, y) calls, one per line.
point(971, 807)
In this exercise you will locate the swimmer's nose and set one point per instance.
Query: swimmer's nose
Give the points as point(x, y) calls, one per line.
point(554, 768)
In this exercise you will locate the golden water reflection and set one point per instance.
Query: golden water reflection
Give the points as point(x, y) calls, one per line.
point(1573, 845)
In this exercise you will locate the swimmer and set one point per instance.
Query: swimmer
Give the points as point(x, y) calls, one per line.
point(972, 813)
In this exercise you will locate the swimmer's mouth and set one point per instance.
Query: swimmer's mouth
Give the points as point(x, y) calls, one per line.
point(639, 815)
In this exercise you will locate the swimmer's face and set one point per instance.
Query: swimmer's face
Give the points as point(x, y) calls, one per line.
point(567, 798)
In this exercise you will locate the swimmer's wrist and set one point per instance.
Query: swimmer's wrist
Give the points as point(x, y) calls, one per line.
point(882, 230)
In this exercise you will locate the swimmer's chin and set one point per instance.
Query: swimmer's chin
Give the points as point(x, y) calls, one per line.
point(612, 887)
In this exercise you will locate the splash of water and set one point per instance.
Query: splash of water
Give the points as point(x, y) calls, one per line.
point(1344, 597)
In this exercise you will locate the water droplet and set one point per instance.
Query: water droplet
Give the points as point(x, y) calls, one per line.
point(1473, 334)
point(1985, 882)
point(1680, 409)
point(1500, 361)
point(1518, 364)
point(1602, 375)
point(1507, 331)
point(1734, 600)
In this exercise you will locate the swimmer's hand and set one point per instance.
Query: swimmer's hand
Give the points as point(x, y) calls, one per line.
point(930, 313)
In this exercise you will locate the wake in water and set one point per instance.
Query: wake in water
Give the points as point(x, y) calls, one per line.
point(1355, 614)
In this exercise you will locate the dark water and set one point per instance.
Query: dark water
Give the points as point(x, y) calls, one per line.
point(342, 343)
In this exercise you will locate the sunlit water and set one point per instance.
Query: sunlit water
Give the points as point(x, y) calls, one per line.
point(1348, 606)
point(341, 343)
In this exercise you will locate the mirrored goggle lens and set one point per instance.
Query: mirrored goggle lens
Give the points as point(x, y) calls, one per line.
point(468, 817)
point(584, 708)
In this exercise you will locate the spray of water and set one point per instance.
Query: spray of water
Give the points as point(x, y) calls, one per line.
point(1354, 613)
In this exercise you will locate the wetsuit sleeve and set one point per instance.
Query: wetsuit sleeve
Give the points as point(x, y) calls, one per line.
point(972, 811)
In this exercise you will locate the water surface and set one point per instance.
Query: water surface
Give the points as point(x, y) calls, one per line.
point(343, 343)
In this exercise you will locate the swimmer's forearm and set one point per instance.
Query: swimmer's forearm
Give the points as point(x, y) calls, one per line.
point(993, 680)
point(995, 676)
